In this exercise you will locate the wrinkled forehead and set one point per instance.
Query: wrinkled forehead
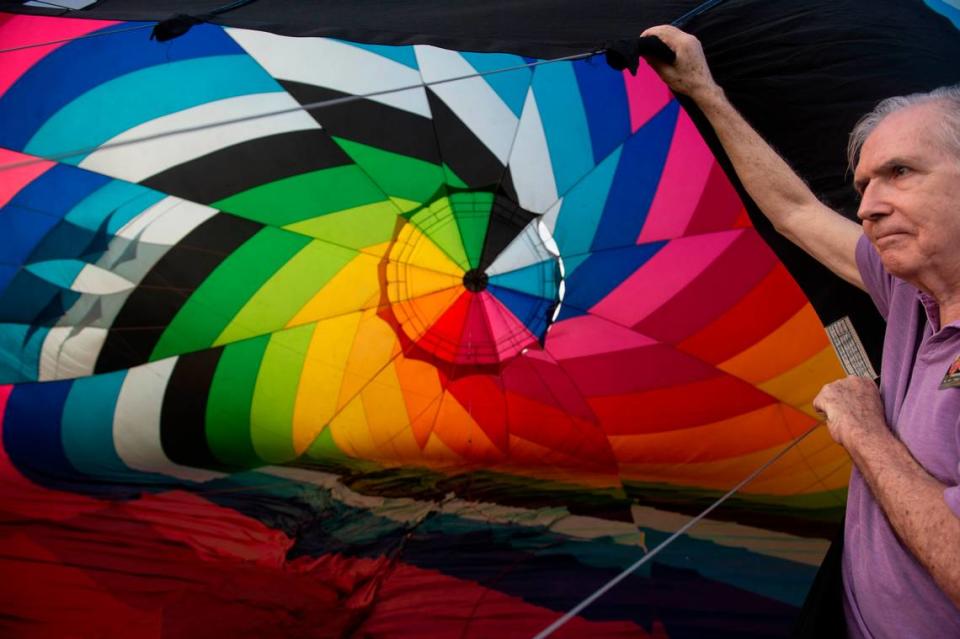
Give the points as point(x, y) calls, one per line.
point(914, 132)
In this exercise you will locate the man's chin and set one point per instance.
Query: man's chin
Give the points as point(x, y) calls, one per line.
point(898, 265)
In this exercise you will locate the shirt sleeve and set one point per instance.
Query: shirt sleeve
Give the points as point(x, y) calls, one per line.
point(877, 281)
point(952, 496)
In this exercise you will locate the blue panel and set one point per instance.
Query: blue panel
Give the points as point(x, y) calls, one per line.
point(81, 65)
point(511, 86)
point(950, 9)
point(602, 272)
point(532, 311)
point(636, 181)
point(605, 102)
point(20, 346)
point(88, 427)
point(7, 272)
point(125, 102)
point(405, 55)
point(58, 190)
point(538, 279)
point(564, 123)
point(31, 433)
point(581, 211)
point(21, 230)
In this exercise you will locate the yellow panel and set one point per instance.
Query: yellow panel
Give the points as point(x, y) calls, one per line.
point(375, 345)
point(410, 282)
point(800, 385)
point(321, 377)
point(798, 339)
point(354, 288)
point(350, 432)
point(387, 418)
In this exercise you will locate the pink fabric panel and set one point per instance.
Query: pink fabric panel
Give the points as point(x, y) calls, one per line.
point(646, 93)
point(17, 31)
point(502, 325)
point(668, 272)
point(682, 182)
point(13, 180)
point(587, 335)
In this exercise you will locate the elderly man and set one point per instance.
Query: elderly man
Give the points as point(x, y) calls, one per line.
point(901, 561)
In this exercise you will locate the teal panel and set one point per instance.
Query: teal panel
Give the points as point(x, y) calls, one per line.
point(135, 98)
point(87, 426)
point(405, 55)
point(582, 208)
point(117, 200)
point(537, 280)
point(58, 272)
point(511, 86)
point(564, 122)
point(20, 352)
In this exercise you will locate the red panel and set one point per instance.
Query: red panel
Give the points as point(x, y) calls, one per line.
point(719, 206)
point(678, 406)
point(443, 338)
point(734, 274)
point(550, 427)
point(636, 369)
point(482, 397)
point(776, 299)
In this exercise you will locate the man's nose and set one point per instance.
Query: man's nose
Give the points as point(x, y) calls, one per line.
point(873, 204)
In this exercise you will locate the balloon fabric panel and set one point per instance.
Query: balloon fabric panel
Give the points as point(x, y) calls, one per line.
point(452, 338)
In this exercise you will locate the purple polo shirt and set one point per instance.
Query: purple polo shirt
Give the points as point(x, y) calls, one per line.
point(888, 593)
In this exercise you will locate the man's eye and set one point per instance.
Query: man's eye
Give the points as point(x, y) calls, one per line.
point(900, 170)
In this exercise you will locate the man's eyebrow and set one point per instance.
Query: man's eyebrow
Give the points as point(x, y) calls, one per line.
point(900, 160)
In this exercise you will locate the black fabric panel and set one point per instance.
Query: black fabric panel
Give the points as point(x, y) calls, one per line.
point(370, 123)
point(183, 416)
point(243, 166)
point(461, 150)
point(533, 27)
point(159, 297)
point(507, 220)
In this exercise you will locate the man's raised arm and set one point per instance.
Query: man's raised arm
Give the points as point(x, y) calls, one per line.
point(781, 195)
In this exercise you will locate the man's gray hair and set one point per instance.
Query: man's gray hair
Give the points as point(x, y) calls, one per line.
point(948, 97)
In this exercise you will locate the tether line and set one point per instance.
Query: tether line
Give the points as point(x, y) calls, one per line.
point(95, 34)
point(573, 612)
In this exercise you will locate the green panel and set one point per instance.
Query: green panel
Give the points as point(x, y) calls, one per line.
point(437, 223)
point(357, 228)
point(282, 296)
point(397, 175)
point(302, 197)
point(228, 405)
point(271, 416)
point(217, 301)
point(472, 211)
point(453, 179)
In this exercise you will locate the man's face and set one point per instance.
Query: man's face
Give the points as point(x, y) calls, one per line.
point(910, 186)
